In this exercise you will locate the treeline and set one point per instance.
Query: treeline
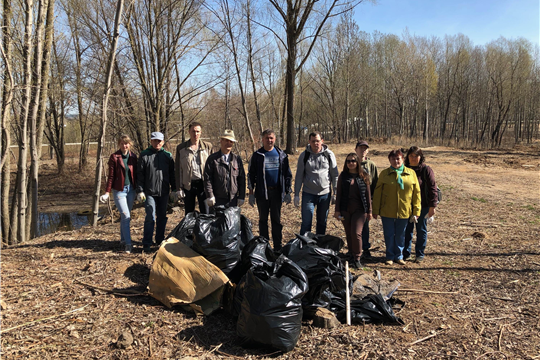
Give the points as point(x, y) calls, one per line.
point(295, 66)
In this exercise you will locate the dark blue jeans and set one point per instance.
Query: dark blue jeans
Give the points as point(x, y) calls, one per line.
point(271, 207)
point(309, 202)
point(421, 236)
point(156, 213)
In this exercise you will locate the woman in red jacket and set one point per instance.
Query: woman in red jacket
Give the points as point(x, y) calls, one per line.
point(122, 181)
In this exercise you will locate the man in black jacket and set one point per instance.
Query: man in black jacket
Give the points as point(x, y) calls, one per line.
point(269, 184)
point(155, 178)
point(224, 175)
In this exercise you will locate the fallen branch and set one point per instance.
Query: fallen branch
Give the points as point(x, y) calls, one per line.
point(423, 339)
point(39, 320)
point(119, 292)
point(429, 291)
point(502, 298)
point(500, 336)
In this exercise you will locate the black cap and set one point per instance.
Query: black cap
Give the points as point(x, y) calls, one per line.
point(362, 143)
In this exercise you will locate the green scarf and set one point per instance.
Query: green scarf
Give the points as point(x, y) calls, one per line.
point(399, 170)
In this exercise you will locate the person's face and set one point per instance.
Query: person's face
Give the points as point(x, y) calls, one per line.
point(268, 141)
point(195, 134)
point(157, 144)
point(226, 145)
point(316, 143)
point(124, 147)
point(396, 161)
point(351, 163)
point(414, 160)
point(362, 152)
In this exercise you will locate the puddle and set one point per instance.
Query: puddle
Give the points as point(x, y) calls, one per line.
point(52, 222)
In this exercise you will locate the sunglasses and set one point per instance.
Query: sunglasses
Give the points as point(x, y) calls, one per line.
point(350, 161)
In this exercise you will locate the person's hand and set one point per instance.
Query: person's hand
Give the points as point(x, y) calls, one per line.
point(173, 198)
point(240, 202)
point(297, 201)
point(431, 212)
point(252, 200)
point(413, 219)
point(337, 215)
point(369, 217)
point(180, 194)
point(287, 198)
point(141, 197)
point(103, 198)
point(333, 201)
point(210, 201)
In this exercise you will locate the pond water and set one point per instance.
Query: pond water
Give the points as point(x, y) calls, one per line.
point(54, 221)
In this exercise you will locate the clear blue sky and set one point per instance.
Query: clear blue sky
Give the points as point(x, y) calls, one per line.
point(481, 20)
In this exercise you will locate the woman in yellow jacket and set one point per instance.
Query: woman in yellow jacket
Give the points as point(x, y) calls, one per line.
point(397, 200)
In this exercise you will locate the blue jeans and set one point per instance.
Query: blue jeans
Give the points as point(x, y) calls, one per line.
point(309, 201)
point(394, 237)
point(421, 235)
point(365, 236)
point(124, 203)
point(156, 213)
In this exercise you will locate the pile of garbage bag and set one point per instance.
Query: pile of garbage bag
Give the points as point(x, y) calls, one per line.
point(268, 293)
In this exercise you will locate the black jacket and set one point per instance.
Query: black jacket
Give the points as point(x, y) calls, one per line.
point(257, 179)
point(224, 181)
point(155, 172)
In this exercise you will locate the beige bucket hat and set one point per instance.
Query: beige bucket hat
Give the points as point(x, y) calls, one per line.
point(229, 135)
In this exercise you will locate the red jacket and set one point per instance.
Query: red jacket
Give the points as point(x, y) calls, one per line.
point(117, 171)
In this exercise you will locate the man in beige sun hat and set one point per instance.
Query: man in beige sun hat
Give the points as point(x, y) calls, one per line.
point(224, 176)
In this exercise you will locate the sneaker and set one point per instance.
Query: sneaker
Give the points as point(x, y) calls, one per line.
point(147, 249)
point(400, 262)
point(366, 254)
point(407, 258)
point(128, 249)
point(389, 262)
point(419, 259)
point(357, 264)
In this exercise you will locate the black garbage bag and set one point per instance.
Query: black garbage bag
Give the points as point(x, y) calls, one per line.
point(271, 306)
point(329, 242)
point(324, 269)
point(247, 234)
point(184, 230)
point(370, 309)
point(217, 237)
point(256, 252)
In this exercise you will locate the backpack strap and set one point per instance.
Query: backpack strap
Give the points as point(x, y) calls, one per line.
point(326, 155)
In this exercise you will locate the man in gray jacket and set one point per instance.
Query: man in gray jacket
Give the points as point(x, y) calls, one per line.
point(317, 172)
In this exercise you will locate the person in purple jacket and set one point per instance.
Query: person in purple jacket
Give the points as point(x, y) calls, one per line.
point(428, 189)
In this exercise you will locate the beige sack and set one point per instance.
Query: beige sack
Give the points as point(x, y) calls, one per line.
point(181, 276)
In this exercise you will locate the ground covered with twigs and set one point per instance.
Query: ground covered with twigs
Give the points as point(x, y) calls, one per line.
point(76, 295)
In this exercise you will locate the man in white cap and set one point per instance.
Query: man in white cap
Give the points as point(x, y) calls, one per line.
point(224, 175)
point(155, 178)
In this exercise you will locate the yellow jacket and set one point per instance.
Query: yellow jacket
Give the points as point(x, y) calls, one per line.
point(389, 200)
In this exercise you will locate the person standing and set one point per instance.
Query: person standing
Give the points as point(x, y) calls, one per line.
point(428, 192)
point(353, 205)
point(269, 184)
point(191, 158)
point(155, 178)
point(122, 179)
point(224, 175)
point(362, 150)
point(317, 173)
point(397, 200)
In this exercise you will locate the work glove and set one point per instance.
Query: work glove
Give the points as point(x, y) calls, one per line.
point(287, 198)
point(240, 202)
point(210, 201)
point(103, 198)
point(413, 219)
point(430, 220)
point(141, 197)
point(297, 201)
point(173, 197)
point(180, 194)
point(252, 200)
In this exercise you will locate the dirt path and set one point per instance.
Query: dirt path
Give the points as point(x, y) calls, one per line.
point(483, 247)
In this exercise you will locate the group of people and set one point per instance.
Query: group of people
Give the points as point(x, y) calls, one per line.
point(404, 195)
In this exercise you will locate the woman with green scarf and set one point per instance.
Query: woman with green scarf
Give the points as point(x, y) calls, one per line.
point(397, 201)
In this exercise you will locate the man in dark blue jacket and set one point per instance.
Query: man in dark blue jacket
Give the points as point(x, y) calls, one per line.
point(155, 179)
point(270, 175)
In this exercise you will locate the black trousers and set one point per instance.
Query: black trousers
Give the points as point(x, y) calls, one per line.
point(271, 207)
point(195, 193)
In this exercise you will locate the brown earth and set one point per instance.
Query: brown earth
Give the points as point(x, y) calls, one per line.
point(475, 296)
